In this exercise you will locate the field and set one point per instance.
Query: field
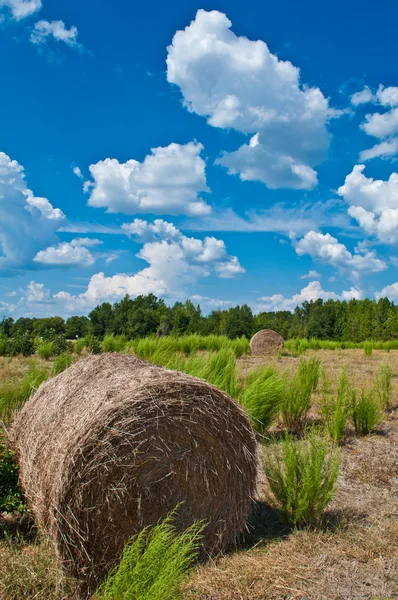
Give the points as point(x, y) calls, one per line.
point(352, 552)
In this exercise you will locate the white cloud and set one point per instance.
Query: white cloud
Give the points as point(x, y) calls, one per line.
point(373, 203)
point(175, 262)
point(389, 291)
point(27, 222)
point(213, 303)
point(20, 9)
point(382, 125)
point(238, 83)
point(43, 31)
point(75, 252)
point(327, 249)
point(363, 97)
point(78, 173)
point(36, 292)
point(313, 291)
point(311, 275)
point(168, 181)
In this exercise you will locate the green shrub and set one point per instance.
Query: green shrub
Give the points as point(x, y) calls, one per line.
point(21, 344)
point(45, 350)
point(10, 492)
point(302, 476)
point(62, 362)
point(93, 344)
point(153, 565)
point(368, 348)
point(336, 411)
point(112, 343)
point(383, 386)
point(297, 399)
point(366, 412)
point(13, 395)
point(79, 345)
point(61, 345)
point(263, 397)
point(3, 346)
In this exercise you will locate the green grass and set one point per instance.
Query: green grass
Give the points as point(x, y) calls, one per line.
point(383, 386)
point(146, 348)
point(45, 349)
point(13, 395)
point(336, 410)
point(263, 396)
point(62, 362)
point(366, 412)
point(154, 564)
point(112, 343)
point(296, 402)
point(302, 476)
point(297, 346)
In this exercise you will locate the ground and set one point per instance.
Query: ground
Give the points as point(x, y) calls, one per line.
point(352, 555)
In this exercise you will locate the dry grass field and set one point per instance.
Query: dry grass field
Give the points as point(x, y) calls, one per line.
point(352, 555)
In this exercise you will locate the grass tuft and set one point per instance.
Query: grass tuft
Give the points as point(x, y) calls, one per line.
point(366, 412)
point(263, 397)
point(297, 399)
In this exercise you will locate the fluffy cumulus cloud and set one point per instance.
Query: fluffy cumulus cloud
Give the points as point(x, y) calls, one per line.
point(311, 275)
point(390, 292)
point(27, 222)
point(327, 249)
point(238, 83)
point(20, 9)
point(44, 31)
point(73, 253)
point(373, 203)
point(313, 291)
point(382, 125)
point(168, 181)
point(174, 260)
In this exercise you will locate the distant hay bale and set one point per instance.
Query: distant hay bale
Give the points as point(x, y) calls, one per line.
point(112, 444)
point(265, 342)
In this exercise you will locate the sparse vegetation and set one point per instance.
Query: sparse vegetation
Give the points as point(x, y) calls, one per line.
point(383, 386)
point(302, 476)
point(154, 564)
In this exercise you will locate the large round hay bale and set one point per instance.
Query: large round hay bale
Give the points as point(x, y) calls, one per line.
point(265, 342)
point(113, 444)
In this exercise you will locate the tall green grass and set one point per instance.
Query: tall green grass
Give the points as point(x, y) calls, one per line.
point(263, 397)
point(336, 410)
point(298, 346)
point(146, 348)
point(366, 412)
point(112, 343)
point(383, 386)
point(154, 564)
point(13, 395)
point(302, 476)
point(297, 400)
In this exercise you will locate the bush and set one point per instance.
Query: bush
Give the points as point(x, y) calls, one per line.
point(62, 362)
point(79, 345)
point(21, 344)
point(336, 411)
point(3, 346)
point(61, 345)
point(45, 350)
point(297, 399)
point(153, 565)
point(366, 412)
point(10, 492)
point(383, 386)
point(302, 476)
point(93, 344)
point(262, 398)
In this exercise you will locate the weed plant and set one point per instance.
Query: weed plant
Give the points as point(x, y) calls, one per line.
point(366, 412)
point(45, 349)
point(13, 395)
point(263, 397)
point(62, 362)
point(383, 385)
point(296, 402)
point(153, 565)
point(11, 499)
point(302, 476)
point(336, 411)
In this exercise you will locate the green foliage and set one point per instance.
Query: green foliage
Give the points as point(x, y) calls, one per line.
point(302, 476)
point(383, 386)
point(45, 350)
point(154, 564)
point(62, 362)
point(263, 397)
point(296, 402)
point(113, 343)
point(10, 492)
point(368, 348)
point(79, 346)
point(93, 344)
point(13, 395)
point(366, 412)
point(336, 411)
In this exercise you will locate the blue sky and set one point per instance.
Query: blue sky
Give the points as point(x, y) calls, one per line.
point(227, 152)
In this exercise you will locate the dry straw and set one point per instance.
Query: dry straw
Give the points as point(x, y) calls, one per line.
point(265, 342)
point(113, 444)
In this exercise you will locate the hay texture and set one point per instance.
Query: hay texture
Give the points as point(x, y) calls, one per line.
point(266, 342)
point(112, 444)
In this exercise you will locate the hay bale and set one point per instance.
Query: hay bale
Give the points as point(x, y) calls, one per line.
point(112, 444)
point(265, 342)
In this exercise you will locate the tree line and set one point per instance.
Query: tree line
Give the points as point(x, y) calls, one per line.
point(356, 321)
